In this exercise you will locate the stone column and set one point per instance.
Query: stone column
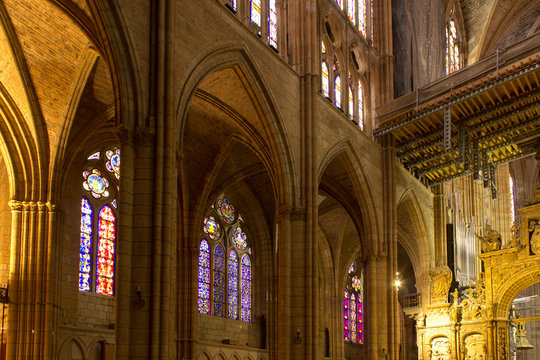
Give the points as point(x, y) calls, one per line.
point(30, 266)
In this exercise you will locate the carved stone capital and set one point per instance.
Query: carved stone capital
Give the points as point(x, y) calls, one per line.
point(144, 136)
point(15, 205)
point(41, 206)
point(123, 134)
point(51, 206)
point(285, 211)
point(298, 213)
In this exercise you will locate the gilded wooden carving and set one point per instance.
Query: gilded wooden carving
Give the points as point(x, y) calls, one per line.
point(491, 241)
point(440, 349)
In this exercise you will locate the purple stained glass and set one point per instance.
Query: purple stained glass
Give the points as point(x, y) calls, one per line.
point(246, 288)
point(360, 322)
point(346, 316)
point(204, 277)
point(352, 318)
point(232, 285)
point(85, 252)
point(219, 281)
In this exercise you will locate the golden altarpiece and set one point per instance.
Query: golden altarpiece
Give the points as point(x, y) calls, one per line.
point(474, 324)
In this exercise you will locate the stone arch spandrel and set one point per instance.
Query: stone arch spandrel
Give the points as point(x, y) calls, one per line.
point(270, 135)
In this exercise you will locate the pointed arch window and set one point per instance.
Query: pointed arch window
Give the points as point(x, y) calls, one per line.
point(351, 100)
point(226, 271)
point(353, 311)
point(453, 49)
point(324, 73)
point(337, 91)
point(97, 243)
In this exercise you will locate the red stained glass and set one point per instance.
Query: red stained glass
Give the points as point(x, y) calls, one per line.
point(105, 263)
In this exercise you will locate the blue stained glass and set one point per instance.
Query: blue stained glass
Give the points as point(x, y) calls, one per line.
point(85, 251)
point(246, 288)
point(204, 278)
point(219, 281)
point(232, 272)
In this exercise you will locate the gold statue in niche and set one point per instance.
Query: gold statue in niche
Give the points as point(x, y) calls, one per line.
point(534, 231)
point(475, 347)
point(441, 279)
point(440, 349)
point(491, 241)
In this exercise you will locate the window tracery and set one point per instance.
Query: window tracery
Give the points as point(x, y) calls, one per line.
point(224, 273)
point(97, 241)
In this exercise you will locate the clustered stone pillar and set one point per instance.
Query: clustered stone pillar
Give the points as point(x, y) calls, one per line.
point(30, 281)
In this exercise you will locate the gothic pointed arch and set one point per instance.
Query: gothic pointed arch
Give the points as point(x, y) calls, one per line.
point(344, 156)
point(261, 114)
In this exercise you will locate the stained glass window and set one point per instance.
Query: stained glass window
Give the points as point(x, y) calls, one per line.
point(337, 90)
point(204, 277)
point(353, 313)
point(340, 3)
point(453, 57)
point(232, 294)
point(105, 258)
point(346, 316)
point(98, 234)
point(360, 106)
point(272, 24)
point(246, 288)
point(512, 205)
point(113, 162)
point(255, 12)
point(85, 253)
point(225, 272)
point(219, 281)
point(324, 82)
point(351, 10)
point(362, 17)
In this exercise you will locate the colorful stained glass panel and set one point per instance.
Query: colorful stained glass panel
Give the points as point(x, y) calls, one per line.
point(95, 183)
point(362, 17)
point(232, 277)
point(226, 210)
point(85, 251)
point(360, 106)
point(105, 258)
point(324, 80)
point(255, 13)
point(204, 277)
point(219, 281)
point(239, 238)
point(212, 228)
point(113, 163)
point(246, 288)
point(346, 316)
point(272, 24)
